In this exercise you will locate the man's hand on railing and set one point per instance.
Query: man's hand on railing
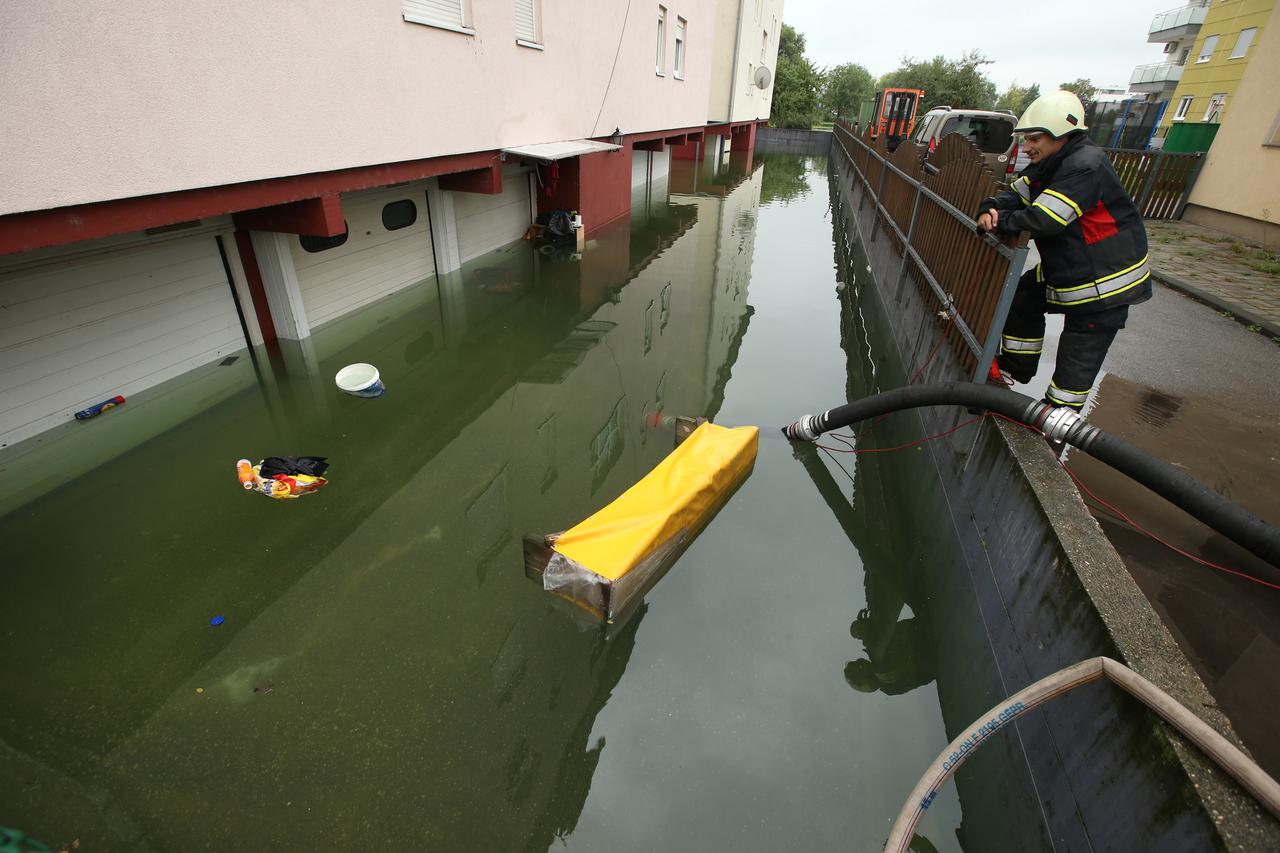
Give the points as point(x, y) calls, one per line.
point(989, 220)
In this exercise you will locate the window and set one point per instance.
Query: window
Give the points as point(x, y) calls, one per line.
point(764, 47)
point(1242, 42)
point(681, 27)
point(660, 59)
point(991, 135)
point(527, 34)
point(922, 130)
point(1186, 54)
point(445, 14)
point(1214, 111)
point(1207, 49)
point(399, 214)
point(320, 244)
point(1183, 106)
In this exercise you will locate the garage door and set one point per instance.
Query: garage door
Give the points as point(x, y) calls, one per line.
point(76, 332)
point(388, 248)
point(487, 222)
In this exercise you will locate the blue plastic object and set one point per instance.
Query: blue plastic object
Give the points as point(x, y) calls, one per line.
point(217, 620)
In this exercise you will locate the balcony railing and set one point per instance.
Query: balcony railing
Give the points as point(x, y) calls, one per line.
point(1159, 72)
point(1190, 15)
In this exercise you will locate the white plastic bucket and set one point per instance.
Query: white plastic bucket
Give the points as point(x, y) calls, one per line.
point(360, 380)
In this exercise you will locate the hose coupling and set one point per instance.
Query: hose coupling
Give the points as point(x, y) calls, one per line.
point(1059, 421)
point(808, 428)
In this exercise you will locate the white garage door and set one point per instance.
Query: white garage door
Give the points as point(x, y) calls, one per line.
point(486, 222)
point(375, 261)
point(76, 332)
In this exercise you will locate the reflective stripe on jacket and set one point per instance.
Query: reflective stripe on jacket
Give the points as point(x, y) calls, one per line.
point(1093, 246)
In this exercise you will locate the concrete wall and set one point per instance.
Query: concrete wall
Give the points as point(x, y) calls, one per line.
point(1043, 590)
point(737, 54)
point(794, 140)
point(152, 98)
point(1237, 190)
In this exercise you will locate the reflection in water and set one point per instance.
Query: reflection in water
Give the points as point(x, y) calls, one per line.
point(386, 676)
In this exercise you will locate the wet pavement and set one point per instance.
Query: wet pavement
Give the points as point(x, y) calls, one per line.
point(1233, 275)
point(1198, 390)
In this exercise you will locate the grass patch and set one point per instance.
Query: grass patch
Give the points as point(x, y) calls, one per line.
point(1263, 266)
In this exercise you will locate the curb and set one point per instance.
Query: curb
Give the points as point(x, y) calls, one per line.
point(1245, 316)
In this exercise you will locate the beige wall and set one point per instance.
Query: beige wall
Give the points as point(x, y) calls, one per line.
point(732, 69)
point(153, 97)
point(1242, 175)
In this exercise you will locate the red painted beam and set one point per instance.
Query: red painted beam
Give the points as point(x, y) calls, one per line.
point(677, 140)
point(257, 292)
point(20, 232)
point(317, 217)
point(487, 181)
point(653, 134)
point(650, 145)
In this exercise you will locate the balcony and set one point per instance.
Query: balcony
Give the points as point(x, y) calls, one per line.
point(1158, 77)
point(1180, 23)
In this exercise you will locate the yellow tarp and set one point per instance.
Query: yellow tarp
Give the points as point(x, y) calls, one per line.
point(679, 495)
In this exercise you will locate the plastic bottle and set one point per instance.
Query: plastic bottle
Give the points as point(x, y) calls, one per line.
point(244, 471)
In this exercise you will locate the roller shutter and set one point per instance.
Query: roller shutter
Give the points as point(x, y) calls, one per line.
point(75, 332)
point(374, 261)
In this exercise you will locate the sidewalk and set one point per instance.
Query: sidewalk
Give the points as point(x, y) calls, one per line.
point(1230, 274)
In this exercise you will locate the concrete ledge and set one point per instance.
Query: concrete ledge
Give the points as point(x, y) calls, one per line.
point(1044, 589)
point(1247, 316)
point(794, 140)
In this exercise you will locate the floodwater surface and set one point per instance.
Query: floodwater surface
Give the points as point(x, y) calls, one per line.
point(386, 676)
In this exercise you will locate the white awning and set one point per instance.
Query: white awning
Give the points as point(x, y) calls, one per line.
point(548, 151)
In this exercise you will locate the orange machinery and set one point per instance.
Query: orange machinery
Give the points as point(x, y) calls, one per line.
point(894, 114)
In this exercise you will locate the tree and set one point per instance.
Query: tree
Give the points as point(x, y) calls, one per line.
point(1017, 98)
point(795, 90)
point(957, 83)
point(1084, 89)
point(845, 89)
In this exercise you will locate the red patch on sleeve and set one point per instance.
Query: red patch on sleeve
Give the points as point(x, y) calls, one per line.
point(1097, 224)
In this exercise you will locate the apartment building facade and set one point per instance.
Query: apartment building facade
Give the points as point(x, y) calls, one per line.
point(1221, 50)
point(178, 187)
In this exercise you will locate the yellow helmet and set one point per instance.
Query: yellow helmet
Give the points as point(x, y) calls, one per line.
point(1057, 114)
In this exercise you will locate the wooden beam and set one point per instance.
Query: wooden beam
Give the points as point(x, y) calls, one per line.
point(316, 217)
point(650, 145)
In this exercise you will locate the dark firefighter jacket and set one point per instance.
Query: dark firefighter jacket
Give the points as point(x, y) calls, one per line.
point(1093, 246)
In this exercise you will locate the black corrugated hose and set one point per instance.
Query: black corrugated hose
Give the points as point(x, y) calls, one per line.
point(1230, 519)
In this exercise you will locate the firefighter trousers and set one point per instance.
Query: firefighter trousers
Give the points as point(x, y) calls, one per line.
point(1086, 337)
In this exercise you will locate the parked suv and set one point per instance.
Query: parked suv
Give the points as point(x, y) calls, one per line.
point(991, 132)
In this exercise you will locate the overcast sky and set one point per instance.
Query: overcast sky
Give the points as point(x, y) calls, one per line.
point(1046, 42)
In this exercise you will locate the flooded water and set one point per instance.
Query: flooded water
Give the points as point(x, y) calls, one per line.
point(386, 676)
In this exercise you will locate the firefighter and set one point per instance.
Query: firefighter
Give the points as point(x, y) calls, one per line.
point(1093, 250)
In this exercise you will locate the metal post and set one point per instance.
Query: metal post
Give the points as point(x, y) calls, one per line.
point(1016, 263)
point(911, 233)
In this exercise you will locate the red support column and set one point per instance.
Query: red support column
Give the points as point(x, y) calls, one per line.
point(598, 186)
point(257, 291)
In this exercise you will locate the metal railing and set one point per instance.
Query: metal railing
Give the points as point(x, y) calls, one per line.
point(1192, 13)
point(928, 222)
point(1157, 72)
